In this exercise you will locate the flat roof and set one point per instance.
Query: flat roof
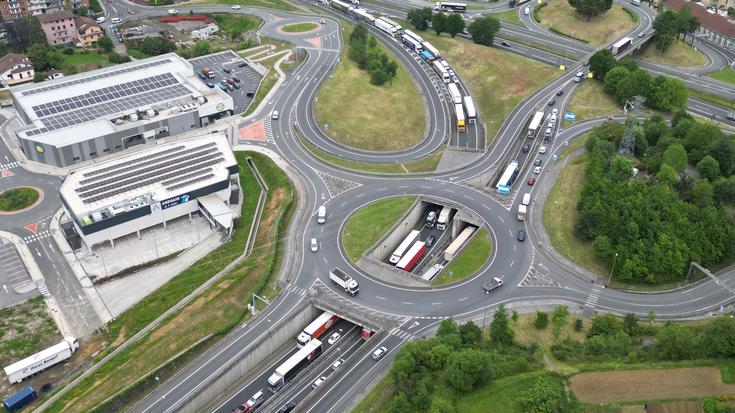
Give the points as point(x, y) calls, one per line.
point(77, 108)
point(148, 177)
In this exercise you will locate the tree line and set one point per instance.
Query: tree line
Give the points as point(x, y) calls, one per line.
point(670, 25)
point(482, 30)
point(364, 50)
point(653, 225)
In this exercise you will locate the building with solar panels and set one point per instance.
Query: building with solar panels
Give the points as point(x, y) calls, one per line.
point(150, 186)
point(92, 114)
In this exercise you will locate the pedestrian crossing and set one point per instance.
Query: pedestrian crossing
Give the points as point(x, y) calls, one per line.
point(592, 298)
point(299, 291)
point(43, 289)
point(403, 335)
point(269, 130)
point(36, 237)
point(9, 165)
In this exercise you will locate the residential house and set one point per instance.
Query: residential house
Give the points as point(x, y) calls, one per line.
point(38, 7)
point(89, 31)
point(15, 69)
point(54, 74)
point(59, 28)
point(205, 32)
point(13, 9)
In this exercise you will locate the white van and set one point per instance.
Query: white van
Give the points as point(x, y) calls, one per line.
point(547, 134)
point(526, 198)
point(101, 19)
point(115, 20)
point(321, 215)
point(527, 11)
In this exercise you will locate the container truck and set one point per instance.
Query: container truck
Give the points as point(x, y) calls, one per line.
point(20, 399)
point(431, 49)
point(412, 257)
point(316, 328)
point(441, 223)
point(44, 359)
point(521, 212)
point(426, 56)
point(460, 117)
point(453, 249)
point(469, 108)
point(411, 43)
point(440, 71)
point(294, 364)
point(454, 93)
point(403, 246)
point(492, 284)
point(346, 282)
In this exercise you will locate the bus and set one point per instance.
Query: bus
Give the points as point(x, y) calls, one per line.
point(440, 71)
point(534, 125)
point(506, 180)
point(398, 253)
point(451, 252)
point(449, 6)
point(294, 364)
point(621, 45)
point(460, 117)
point(431, 49)
point(469, 107)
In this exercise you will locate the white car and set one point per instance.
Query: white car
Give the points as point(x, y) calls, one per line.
point(101, 19)
point(542, 150)
point(337, 363)
point(379, 353)
point(274, 115)
point(236, 7)
point(173, 12)
point(318, 382)
point(333, 338)
point(554, 112)
point(314, 245)
point(537, 170)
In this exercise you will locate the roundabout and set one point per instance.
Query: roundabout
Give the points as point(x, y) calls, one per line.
point(19, 199)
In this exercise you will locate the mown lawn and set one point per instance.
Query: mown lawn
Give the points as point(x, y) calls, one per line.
point(370, 223)
point(590, 101)
point(597, 31)
point(300, 27)
point(469, 260)
point(678, 54)
point(726, 75)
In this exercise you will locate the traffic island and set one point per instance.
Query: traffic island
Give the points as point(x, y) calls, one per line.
point(299, 28)
point(19, 199)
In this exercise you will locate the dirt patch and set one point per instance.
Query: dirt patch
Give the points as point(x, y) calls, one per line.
point(684, 406)
point(650, 384)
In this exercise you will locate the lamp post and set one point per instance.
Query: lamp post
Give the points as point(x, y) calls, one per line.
point(612, 269)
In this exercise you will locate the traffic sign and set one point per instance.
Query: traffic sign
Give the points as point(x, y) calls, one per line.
point(562, 67)
point(570, 116)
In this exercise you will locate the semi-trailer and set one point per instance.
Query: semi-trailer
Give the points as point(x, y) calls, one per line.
point(412, 257)
point(431, 49)
point(469, 108)
point(42, 360)
point(411, 43)
point(460, 117)
point(362, 14)
point(534, 125)
point(453, 249)
point(341, 6)
point(388, 26)
point(403, 246)
point(440, 71)
point(316, 328)
point(294, 364)
point(441, 223)
point(454, 93)
point(347, 283)
point(413, 35)
point(19, 400)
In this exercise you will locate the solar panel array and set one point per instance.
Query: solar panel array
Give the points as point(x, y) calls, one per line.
point(172, 168)
point(103, 75)
point(107, 101)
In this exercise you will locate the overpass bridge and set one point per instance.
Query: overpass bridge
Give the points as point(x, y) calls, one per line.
point(636, 44)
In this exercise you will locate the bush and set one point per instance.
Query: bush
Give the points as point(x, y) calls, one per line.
point(632, 14)
point(68, 51)
point(567, 350)
point(557, 31)
point(118, 58)
point(578, 325)
point(542, 320)
point(536, 10)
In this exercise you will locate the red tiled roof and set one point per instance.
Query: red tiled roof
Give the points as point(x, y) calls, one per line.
point(714, 22)
point(52, 17)
point(12, 59)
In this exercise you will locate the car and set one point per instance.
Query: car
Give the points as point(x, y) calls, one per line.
point(101, 19)
point(730, 116)
point(542, 150)
point(379, 353)
point(559, 93)
point(586, 63)
point(236, 86)
point(210, 85)
point(254, 402)
point(314, 245)
point(641, 34)
point(318, 382)
point(455, 79)
point(201, 75)
point(504, 43)
point(173, 12)
point(287, 408)
point(531, 181)
point(337, 363)
point(521, 235)
point(230, 80)
point(243, 64)
point(236, 7)
point(537, 162)
point(116, 20)
point(235, 78)
point(226, 69)
point(537, 170)
point(229, 88)
point(554, 112)
point(322, 21)
point(274, 115)
point(333, 338)
point(552, 102)
point(429, 241)
point(526, 148)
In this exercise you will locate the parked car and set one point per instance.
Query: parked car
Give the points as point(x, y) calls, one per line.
point(531, 180)
point(236, 85)
point(521, 235)
point(333, 338)
point(201, 75)
point(226, 69)
point(235, 78)
point(379, 353)
point(318, 382)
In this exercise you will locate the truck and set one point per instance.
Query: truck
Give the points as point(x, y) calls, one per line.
point(460, 117)
point(403, 246)
point(431, 49)
point(534, 125)
point(42, 360)
point(346, 282)
point(730, 116)
point(388, 26)
point(441, 223)
point(208, 72)
point(469, 107)
point(294, 364)
point(526, 198)
point(492, 284)
point(316, 328)
point(428, 58)
point(20, 399)
point(521, 212)
point(412, 257)
point(411, 43)
point(453, 249)
point(440, 71)
point(454, 93)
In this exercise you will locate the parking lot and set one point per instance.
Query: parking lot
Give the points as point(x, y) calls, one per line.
point(242, 92)
point(13, 274)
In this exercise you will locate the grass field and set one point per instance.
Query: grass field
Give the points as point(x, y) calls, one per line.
point(235, 24)
point(17, 198)
point(25, 328)
point(503, 394)
point(469, 261)
point(300, 27)
point(726, 75)
point(268, 4)
point(510, 16)
point(678, 54)
point(498, 80)
point(648, 384)
point(378, 118)
point(560, 212)
point(370, 223)
point(590, 101)
point(598, 30)
point(216, 311)
point(379, 397)
point(82, 62)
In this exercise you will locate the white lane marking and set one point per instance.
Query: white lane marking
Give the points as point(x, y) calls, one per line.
point(379, 297)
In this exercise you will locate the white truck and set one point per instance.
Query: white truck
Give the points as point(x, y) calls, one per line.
point(441, 223)
point(526, 198)
point(492, 284)
point(522, 212)
point(346, 282)
point(42, 360)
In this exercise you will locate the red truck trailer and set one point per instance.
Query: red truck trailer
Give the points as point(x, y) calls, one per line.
point(412, 257)
point(317, 327)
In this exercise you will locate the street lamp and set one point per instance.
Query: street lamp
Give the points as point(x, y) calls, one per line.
point(612, 269)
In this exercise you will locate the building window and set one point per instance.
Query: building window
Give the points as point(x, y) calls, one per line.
point(93, 154)
point(76, 158)
point(106, 150)
point(118, 146)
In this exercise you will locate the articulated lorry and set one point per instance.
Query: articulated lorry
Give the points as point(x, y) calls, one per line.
point(441, 223)
point(346, 282)
point(42, 360)
point(316, 328)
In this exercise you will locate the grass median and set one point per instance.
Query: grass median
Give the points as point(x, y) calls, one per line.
point(358, 114)
point(15, 199)
point(597, 30)
point(371, 222)
point(678, 54)
point(726, 75)
point(300, 27)
point(215, 312)
point(469, 261)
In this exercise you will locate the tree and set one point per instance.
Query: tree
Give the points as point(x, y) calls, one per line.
point(578, 325)
point(561, 313)
point(604, 325)
point(118, 58)
point(468, 368)
point(542, 320)
point(719, 337)
point(105, 43)
point(400, 404)
point(675, 342)
point(420, 18)
point(621, 168)
point(155, 46)
point(448, 333)
point(546, 395)
point(43, 57)
point(602, 62)
point(676, 157)
point(484, 29)
point(613, 77)
point(82, 11)
point(39, 77)
point(201, 48)
point(685, 22)
point(439, 23)
point(455, 24)
point(25, 32)
point(500, 331)
point(725, 190)
point(702, 194)
point(590, 8)
point(709, 168)
point(630, 325)
point(669, 94)
point(666, 26)
point(441, 405)
point(724, 153)
point(470, 333)
point(666, 175)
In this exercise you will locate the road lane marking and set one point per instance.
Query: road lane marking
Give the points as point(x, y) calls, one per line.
point(379, 297)
point(462, 299)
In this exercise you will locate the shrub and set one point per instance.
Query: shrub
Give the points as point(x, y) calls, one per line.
point(542, 320)
point(68, 51)
point(578, 325)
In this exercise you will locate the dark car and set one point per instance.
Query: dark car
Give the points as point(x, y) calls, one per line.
point(559, 93)
point(226, 69)
point(210, 85)
point(521, 235)
point(429, 241)
point(235, 78)
point(287, 408)
point(531, 180)
point(506, 44)
point(230, 88)
point(537, 162)
point(230, 80)
point(237, 86)
point(585, 64)
point(201, 75)
point(526, 148)
point(243, 64)
point(552, 102)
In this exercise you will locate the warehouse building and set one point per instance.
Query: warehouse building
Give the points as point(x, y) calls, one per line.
point(92, 114)
point(148, 187)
